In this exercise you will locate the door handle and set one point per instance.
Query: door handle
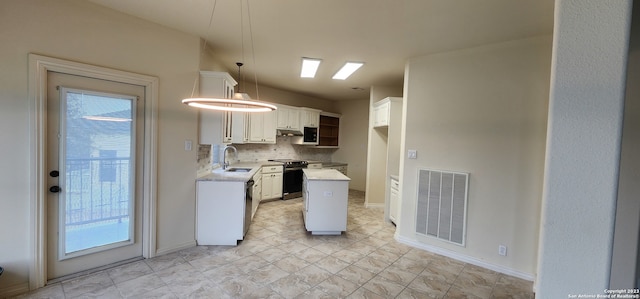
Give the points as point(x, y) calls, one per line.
point(55, 189)
point(54, 173)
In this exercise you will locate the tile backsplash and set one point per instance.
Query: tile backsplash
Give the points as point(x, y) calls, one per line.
point(283, 149)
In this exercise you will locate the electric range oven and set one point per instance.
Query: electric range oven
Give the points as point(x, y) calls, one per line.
point(291, 177)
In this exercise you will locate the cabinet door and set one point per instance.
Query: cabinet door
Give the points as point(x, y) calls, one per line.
point(256, 132)
point(215, 126)
point(381, 115)
point(262, 127)
point(276, 187)
point(288, 118)
point(393, 204)
point(269, 127)
point(267, 186)
point(309, 118)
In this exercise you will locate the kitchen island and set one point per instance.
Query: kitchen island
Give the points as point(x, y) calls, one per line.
point(325, 199)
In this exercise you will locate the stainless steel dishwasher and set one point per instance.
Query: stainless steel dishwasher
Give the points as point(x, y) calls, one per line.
point(248, 206)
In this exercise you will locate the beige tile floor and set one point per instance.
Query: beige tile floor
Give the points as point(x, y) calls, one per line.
point(279, 259)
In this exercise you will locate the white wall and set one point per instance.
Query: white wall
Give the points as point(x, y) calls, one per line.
point(353, 140)
point(583, 146)
point(80, 31)
point(626, 238)
point(482, 111)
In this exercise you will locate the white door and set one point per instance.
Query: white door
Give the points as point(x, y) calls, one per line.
point(94, 165)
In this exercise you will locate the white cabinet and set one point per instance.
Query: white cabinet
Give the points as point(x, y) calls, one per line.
point(257, 192)
point(220, 212)
point(271, 182)
point(240, 128)
point(394, 199)
point(309, 117)
point(325, 200)
point(262, 127)
point(381, 111)
point(215, 126)
point(288, 118)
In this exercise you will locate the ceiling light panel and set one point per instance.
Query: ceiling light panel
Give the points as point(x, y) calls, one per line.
point(309, 67)
point(347, 69)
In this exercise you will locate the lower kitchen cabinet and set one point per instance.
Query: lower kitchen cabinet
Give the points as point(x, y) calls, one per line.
point(394, 199)
point(272, 182)
point(220, 212)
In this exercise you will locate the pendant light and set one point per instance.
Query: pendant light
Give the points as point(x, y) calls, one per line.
point(240, 101)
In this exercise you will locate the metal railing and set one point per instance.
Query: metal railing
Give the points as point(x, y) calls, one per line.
point(98, 191)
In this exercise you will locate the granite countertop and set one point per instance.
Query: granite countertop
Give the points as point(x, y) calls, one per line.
point(325, 175)
point(225, 175)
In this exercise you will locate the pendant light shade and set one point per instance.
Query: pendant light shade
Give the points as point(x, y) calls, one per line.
point(240, 101)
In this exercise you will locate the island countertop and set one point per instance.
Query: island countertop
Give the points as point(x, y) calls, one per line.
point(220, 174)
point(325, 174)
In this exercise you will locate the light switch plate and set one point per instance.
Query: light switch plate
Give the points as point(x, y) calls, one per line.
point(412, 154)
point(188, 145)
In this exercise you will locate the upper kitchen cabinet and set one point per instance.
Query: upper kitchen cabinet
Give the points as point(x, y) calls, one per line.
point(215, 126)
point(288, 118)
point(329, 129)
point(382, 111)
point(309, 117)
point(262, 127)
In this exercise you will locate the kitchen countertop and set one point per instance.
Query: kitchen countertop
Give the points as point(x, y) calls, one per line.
point(220, 174)
point(325, 175)
point(329, 164)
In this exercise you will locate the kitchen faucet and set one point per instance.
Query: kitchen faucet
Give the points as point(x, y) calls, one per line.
point(225, 164)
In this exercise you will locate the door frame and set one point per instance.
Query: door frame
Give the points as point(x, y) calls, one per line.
point(39, 66)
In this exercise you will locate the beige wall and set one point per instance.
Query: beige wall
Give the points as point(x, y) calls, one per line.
point(377, 149)
point(83, 32)
point(482, 111)
point(353, 140)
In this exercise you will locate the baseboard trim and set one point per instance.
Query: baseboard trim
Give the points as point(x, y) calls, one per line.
point(14, 290)
point(465, 258)
point(176, 248)
point(374, 205)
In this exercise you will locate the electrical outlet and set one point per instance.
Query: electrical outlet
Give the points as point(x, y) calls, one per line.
point(502, 250)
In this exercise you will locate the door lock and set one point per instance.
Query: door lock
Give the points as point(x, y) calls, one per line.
point(55, 189)
point(54, 173)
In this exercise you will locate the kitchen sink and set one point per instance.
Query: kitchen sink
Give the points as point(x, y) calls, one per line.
point(238, 170)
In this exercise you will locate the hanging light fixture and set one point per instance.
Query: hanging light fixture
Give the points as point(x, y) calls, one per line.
point(240, 101)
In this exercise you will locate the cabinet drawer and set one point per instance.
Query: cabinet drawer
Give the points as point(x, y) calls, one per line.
point(272, 169)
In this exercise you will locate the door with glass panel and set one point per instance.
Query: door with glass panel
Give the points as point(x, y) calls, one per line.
point(94, 140)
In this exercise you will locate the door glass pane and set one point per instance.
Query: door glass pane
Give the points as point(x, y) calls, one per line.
point(97, 183)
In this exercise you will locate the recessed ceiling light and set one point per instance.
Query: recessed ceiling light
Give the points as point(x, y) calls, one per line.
point(347, 69)
point(309, 67)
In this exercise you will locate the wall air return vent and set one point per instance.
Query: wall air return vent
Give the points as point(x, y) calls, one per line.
point(442, 205)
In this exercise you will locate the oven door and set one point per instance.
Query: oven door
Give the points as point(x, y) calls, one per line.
point(292, 183)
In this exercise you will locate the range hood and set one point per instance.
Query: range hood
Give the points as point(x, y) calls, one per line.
point(289, 133)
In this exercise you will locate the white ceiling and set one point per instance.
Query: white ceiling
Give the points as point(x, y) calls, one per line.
point(381, 33)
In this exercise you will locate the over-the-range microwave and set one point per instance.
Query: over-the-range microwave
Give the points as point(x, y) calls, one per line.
point(310, 135)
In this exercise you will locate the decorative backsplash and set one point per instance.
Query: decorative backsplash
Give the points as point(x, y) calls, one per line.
point(283, 149)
